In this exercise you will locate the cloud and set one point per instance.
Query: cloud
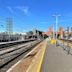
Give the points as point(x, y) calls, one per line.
point(26, 10)
point(43, 22)
point(10, 9)
point(23, 9)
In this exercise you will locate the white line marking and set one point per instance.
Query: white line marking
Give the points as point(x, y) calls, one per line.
point(33, 61)
point(13, 66)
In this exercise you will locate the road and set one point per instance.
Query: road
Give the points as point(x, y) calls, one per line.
point(56, 60)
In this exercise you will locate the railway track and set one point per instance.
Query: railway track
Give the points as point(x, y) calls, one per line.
point(13, 48)
point(4, 45)
point(70, 41)
point(12, 55)
point(66, 45)
point(10, 47)
point(66, 42)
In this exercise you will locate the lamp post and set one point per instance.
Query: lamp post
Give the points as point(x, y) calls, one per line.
point(56, 16)
point(53, 32)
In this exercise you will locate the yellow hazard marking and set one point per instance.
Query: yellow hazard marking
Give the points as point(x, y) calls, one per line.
point(41, 60)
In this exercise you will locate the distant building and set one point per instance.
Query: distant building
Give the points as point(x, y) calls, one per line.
point(50, 32)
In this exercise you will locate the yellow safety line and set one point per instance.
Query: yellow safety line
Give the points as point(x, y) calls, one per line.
point(41, 60)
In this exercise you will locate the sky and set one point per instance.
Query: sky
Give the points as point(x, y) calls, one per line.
point(35, 14)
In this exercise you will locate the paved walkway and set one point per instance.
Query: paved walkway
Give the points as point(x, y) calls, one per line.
point(56, 60)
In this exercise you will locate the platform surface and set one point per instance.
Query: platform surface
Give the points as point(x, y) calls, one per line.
point(56, 60)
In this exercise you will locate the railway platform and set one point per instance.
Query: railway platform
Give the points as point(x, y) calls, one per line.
point(56, 60)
